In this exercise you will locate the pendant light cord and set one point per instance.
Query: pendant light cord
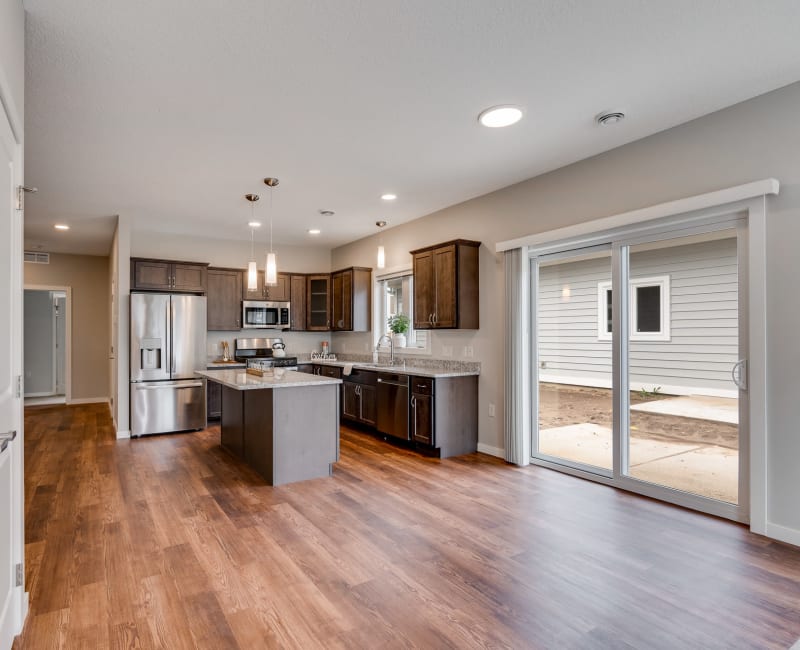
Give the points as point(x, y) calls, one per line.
point(270, 219)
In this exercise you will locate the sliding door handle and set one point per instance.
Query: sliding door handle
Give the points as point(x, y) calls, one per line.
point(739, 374)
point(5, 438)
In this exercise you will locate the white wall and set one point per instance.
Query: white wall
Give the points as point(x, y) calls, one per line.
point(756, 139)
point(12, 63)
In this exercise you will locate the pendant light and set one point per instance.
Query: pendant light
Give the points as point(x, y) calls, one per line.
point(381, 250)
point(271, 274)
point(252, 269)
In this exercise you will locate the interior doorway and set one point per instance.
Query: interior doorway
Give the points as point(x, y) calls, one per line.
point(47, 350)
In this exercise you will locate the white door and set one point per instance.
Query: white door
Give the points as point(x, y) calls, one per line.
point(12, 598)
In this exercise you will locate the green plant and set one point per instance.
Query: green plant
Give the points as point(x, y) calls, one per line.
point(644, 393)
point(398, 323)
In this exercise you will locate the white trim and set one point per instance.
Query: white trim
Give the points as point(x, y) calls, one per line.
point(491, 451)
point(783, 534)
point(123, 435)
point(89, 400)
point(670, 208)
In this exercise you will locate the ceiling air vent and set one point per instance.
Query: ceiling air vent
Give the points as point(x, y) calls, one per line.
point(37, 258)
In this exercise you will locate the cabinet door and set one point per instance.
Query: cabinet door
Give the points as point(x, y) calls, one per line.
point(318, 302)
point(337, 317)
point(330, 371)
point(422, 418)
point(152, 275)
point(224, 299)
point(189, 277)
point(347, 302)
point(444, 271)
point(259, 293)
point(279, 292)
point(213, 400)
point(369, 405)
point(424, 290)
point(297, 296)
point(350, 401)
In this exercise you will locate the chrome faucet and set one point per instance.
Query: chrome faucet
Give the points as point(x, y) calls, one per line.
point(391, 347)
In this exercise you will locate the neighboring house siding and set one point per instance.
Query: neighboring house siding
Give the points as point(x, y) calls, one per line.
point(703, 312)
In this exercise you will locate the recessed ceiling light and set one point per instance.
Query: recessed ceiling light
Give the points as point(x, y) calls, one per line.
point(327, 213)
point(388, 197)
point(498, 116)
point(61, 226)
point(609, 117)
point(314, 231)
point(254, 224)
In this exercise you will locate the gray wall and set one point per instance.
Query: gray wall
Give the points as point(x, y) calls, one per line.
point(39, 358)
point(703, 345)
point(753, 140)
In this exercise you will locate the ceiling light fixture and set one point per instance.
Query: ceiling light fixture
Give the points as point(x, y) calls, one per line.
point(61, 226)
point(314, 231)
point(608, 118)
point(499, 116)
point(389, 197)
point(271, 272)
point(381, 249)
point(327, 213)
point(252, 267)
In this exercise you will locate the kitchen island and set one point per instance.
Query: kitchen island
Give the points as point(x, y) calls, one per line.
point(285, 425)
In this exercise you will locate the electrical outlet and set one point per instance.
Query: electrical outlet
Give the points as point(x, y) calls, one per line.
point(447, 350)
point(468, 351)
point(491, 410)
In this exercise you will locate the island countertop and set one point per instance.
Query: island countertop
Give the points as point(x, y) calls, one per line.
point(280, 378)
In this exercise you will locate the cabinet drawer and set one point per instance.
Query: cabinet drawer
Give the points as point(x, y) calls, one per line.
point(422, 385)
point(335, 372)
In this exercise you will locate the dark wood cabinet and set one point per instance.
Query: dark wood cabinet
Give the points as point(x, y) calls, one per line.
point(325, 370)
point(297, 296)
point(213, 400)
point(422, 425)
point(446, 286)
point(166, 275)
point(224, 309)
point(359, 397)
point(318, 304)
point(351, 300)
point(276, 293)
point(305, 367)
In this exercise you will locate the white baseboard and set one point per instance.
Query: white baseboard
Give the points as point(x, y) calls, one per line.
point(492, 451)
point(121, 435)
point(88, 400)
point(783, 534)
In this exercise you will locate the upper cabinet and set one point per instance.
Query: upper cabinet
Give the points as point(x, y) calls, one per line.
point(224, 310)
point(446, 284)
point(318, 303)
point(351, 304)
point(276, 293)
point(297, 296)
point(165, 275)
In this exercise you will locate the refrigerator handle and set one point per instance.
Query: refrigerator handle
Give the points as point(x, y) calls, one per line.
point(170, 320)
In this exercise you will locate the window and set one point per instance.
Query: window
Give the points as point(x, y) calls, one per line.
point(395, 296)
point(649, 309)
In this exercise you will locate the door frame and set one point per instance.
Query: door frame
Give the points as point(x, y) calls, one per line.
point(67, 333)
point(752, 505)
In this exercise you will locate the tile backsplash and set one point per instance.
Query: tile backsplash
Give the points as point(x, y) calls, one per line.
point(297, 343)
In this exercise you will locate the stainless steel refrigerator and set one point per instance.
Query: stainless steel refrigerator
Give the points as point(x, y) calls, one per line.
point(168, 344)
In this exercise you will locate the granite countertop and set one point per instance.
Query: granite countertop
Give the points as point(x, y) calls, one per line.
point(400, 369)
point(223, 365)
point(280, 378)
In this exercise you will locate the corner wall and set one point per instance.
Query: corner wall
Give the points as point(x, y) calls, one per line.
point(756, 139)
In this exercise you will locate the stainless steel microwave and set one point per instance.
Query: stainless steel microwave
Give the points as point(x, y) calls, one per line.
point(258, 314)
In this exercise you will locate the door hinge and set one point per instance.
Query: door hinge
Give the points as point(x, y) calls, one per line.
point(20, 575)
point(19, 385)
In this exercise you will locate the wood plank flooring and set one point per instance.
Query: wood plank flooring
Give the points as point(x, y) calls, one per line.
point(168, 542)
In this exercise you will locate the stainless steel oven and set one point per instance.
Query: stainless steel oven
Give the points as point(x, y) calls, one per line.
point(258, 314)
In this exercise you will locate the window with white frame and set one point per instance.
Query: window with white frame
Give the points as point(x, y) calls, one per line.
point(649, 306)
point(395, 296)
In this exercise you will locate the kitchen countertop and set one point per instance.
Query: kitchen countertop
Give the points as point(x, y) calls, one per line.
point(219, 365)
point(281, 378)
point(400, 369)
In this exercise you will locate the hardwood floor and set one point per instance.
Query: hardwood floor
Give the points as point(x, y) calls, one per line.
point(168, 542)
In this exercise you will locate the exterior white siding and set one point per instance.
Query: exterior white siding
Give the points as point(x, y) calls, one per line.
point(703, 321)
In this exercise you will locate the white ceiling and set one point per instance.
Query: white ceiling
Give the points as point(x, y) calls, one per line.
point(169, 112)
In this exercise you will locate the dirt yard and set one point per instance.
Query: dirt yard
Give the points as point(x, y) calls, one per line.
point(561, 405)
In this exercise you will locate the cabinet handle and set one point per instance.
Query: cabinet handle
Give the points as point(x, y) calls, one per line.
point(413, 402)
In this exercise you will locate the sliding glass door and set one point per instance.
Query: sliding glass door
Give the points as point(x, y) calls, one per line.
point(640, 378)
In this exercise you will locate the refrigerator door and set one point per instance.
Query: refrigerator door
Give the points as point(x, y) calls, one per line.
point(150, 336)
point(188, 336)
point(167, 406)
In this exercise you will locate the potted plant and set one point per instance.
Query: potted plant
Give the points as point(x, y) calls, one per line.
point(398, 324)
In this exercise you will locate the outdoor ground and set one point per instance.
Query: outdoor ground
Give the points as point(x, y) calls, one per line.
point(694, 454)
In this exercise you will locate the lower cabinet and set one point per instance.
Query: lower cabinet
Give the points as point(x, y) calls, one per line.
point(422, 410)
point(324, 370)
point(444, 414)
point(305, 367)
point(213, 400)
point(359, 397)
